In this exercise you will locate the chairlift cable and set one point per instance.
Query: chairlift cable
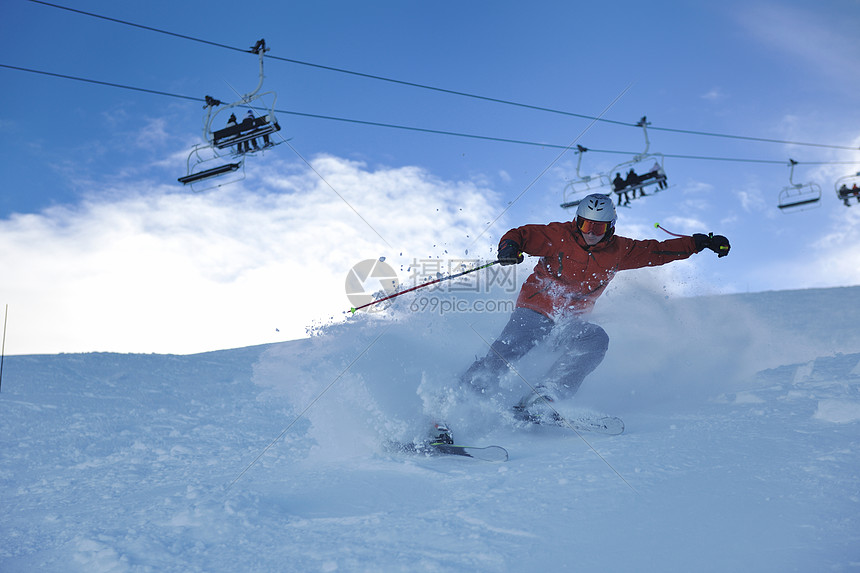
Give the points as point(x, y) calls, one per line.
point(141, 26)
point(101, 83)
point(730, 159)
point(449, 91)
point(750, 138)
point(419, 129)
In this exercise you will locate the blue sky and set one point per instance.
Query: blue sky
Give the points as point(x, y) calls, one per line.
point(104, 250)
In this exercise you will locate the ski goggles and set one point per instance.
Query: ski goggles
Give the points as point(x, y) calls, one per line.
point(592, 227)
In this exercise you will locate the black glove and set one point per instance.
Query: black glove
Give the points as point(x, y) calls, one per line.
point(509, 253)
point(717, 243)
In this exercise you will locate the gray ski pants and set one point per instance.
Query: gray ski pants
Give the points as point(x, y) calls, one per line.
point(583, 344)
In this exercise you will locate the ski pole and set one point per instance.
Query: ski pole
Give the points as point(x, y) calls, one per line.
point(354, 309)
point(657, 225)
point(724, 249)
point(3, 351)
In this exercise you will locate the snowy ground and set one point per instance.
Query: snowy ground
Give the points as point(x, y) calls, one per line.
point(740, 453)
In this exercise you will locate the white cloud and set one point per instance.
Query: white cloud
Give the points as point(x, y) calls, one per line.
point(164, 270)
point(153, 131)
point(752, 199)
point(714, 95)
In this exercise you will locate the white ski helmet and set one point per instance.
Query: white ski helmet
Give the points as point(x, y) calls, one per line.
point(597, 207)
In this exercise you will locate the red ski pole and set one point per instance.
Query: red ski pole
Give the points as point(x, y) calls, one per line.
point(723, 249)
point(3, 351)
point(354, 309)
point(657, 225)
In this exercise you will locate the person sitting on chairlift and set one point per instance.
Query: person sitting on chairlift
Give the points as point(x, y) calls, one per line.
point(844, 193)
point(231, 122)
point(659, 175)
point(633, 179)
point(249, 122)
point(618, 185)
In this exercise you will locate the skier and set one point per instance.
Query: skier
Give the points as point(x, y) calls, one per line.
point(578, 259)
point(249, 122)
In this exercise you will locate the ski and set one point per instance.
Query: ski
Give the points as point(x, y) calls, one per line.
point(609, 425)
point(536, 409)
point(485, 453)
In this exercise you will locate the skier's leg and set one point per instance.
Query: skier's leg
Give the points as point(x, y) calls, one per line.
point(584, 345)
point(524, 329)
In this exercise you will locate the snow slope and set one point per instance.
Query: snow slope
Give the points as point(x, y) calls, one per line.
point(740, 453)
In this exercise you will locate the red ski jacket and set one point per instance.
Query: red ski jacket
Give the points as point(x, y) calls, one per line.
point(570, 275)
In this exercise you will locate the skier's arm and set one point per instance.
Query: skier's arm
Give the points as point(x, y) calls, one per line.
point(650, 252)
point(528, 239)
point(653, 253)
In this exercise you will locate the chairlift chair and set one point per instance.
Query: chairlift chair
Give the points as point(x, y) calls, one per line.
point(248, 129)
point(640, 172)
point(208, 169)
point(583, 185)
point(798, 196)
point(848, 187)
point(230, 140)
point(647, 170)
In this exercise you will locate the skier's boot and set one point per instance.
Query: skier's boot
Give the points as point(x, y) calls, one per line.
point(536, 407)
point(440, 435)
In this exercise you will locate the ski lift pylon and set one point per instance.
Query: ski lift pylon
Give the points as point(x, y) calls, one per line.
point(848, 187)
point(798, 196)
